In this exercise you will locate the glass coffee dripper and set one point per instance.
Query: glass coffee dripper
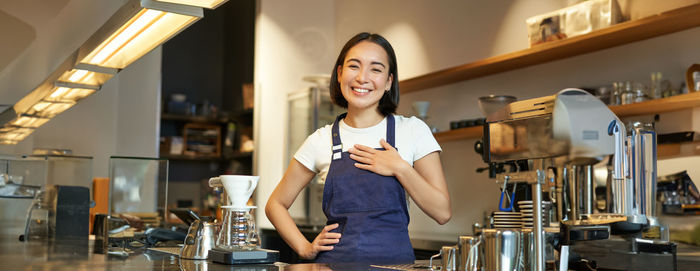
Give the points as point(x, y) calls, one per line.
point(238, 231)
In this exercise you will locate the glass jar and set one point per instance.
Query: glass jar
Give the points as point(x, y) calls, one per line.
point(627, 95)
point(656, 90)
point(640, 93)
point(616, 95)
point(603, 93)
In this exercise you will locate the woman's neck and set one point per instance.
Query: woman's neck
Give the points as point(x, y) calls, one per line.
point(363, 118)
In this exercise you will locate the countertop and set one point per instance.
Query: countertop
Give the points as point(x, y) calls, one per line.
point(79, 255)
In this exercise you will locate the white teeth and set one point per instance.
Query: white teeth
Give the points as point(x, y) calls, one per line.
point(361, 90)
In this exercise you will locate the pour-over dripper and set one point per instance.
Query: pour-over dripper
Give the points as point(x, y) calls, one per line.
point(239, 188)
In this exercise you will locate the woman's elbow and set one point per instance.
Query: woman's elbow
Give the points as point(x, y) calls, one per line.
point(443, 218)
point(269, 207)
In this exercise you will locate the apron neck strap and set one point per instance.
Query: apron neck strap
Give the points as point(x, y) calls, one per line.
point(335, 131)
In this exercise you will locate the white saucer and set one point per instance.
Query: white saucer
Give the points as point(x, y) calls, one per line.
point(239, 208)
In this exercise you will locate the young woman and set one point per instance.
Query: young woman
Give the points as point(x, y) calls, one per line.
point(369, 158)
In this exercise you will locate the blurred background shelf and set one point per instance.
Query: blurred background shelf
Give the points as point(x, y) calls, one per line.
point(198, 119)
point(461, 133)
point(675, 150)
point(673, 103)
point(619, 34)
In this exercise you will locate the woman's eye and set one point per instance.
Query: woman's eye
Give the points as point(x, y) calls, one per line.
point(376, 70)
point(352, 66)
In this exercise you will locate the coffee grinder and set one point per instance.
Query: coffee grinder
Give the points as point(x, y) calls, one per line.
point(561, 137)
point(238, 241)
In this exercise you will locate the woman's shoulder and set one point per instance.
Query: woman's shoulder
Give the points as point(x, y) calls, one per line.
point(409, 122)
point(322, 132)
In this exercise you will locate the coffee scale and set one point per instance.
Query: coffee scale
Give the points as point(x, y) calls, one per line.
point(560, 137)
point(238, 241)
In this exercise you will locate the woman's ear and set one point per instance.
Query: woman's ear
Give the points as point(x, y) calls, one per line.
point(338, 73)
point(389, 82)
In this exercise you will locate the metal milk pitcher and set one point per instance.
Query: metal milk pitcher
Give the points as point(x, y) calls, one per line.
point(199, 240)
point(502, 249)
point(469, 257)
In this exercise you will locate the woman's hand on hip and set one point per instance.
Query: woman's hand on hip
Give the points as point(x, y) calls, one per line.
point(324, 241)
point(387, 162)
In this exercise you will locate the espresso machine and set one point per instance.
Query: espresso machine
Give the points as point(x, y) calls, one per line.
point(560, 138)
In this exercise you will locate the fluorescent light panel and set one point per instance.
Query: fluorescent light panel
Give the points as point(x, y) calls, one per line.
point(14, 135)
point(50, 109)
point(138, 36)
point(210, 4)
point(26, 121)
point(65, 94)
point(85, 77)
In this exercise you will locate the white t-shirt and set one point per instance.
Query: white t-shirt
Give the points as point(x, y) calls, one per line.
point(413, 140)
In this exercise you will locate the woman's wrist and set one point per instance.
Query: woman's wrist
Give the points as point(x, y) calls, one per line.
point(402, 169)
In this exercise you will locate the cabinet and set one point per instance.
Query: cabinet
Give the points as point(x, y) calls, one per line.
point(619, 34)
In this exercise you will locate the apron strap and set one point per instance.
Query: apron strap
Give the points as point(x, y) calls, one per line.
point(390, 127)
point(335, 132)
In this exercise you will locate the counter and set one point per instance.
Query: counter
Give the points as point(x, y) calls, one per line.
point(42, 255)
point(78, 255)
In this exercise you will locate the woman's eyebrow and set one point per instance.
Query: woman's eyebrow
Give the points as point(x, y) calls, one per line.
point(378, 63)
point(372, 63)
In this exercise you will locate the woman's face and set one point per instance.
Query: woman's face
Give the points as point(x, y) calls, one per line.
point(364, 75)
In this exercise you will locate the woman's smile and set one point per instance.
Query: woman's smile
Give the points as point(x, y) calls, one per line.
point(360, 91)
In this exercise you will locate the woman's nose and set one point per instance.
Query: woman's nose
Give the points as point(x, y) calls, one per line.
point(361, 76)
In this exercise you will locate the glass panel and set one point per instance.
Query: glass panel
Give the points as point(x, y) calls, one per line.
point(138, 186)
point(39, 171)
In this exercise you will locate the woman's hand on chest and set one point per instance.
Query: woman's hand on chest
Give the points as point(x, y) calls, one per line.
point(385, 162)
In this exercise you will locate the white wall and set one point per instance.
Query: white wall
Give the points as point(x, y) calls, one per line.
point(292, 39)
point(122, 118)
point(432, 35)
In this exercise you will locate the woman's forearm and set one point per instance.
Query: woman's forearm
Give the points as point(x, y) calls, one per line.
point(283, 222)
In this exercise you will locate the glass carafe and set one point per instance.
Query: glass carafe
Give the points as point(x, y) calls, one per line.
point(237, 230)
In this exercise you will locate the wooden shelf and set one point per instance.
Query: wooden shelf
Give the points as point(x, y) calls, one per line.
point(192, 118)
point(461, 133)
point(191, 157)
point(619, 34)
point(673, 103)
point(674, 150)
point(237, 155)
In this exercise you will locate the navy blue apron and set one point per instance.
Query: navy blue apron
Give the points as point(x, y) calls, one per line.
point(370, 209)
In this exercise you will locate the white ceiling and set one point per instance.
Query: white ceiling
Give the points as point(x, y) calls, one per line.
point(37, 35)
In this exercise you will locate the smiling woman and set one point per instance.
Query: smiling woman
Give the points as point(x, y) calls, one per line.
point(370, 159)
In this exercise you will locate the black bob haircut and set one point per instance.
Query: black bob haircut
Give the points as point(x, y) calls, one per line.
point(390, 101)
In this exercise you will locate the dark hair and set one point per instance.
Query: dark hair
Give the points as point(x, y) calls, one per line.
point(390, 100)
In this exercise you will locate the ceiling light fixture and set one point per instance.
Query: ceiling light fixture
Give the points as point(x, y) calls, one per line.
point(210, 4)
point(134, 30)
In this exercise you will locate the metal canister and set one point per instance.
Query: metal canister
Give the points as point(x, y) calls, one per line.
point(469, 256)
point(502, 249)
point(644, 168)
